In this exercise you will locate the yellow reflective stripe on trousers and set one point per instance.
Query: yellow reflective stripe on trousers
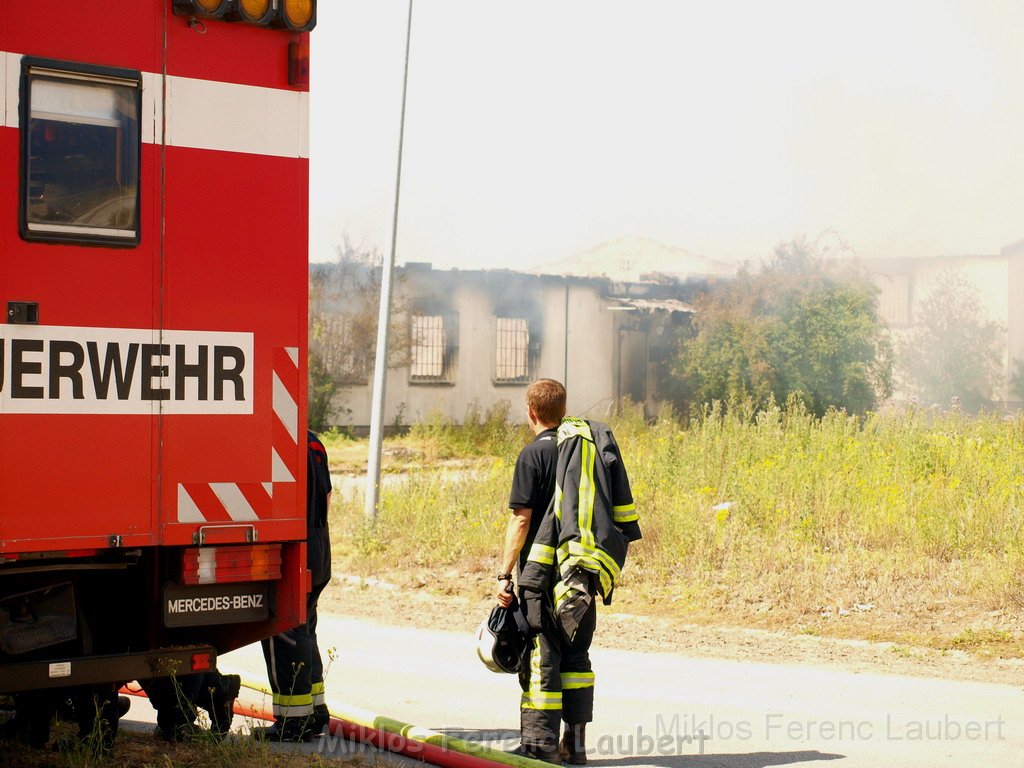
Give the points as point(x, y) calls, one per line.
point(541, 700)
point(292, 701)
point(304, 711)
point(542, 553)
point(318, 693)
point(292, 706)
point(535, 665)
point(535, 697)
point(574, 680)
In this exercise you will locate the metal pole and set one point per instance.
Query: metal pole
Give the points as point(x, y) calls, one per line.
point(565, 367)
point(380, 367)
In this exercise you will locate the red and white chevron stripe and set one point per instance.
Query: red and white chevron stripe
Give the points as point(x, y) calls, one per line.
point(285, 431)
point(241, 502)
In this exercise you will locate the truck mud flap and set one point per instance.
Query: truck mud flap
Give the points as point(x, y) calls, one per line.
point(37, 619)
point(94, 670)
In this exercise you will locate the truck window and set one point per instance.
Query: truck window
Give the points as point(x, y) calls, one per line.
point(80, 154)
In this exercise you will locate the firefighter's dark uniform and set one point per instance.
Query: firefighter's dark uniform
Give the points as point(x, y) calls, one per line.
point(293, 658)
point(580, 544)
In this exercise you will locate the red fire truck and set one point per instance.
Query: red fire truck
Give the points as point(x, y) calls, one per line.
point(153, 275)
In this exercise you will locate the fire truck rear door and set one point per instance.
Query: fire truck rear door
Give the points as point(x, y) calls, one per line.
point(80, 378)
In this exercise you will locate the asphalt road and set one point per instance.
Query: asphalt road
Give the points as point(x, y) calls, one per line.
point(671, 711)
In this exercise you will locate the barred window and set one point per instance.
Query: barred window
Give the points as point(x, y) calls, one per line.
point(427, 346)
point(432, 348)
point(512, 359)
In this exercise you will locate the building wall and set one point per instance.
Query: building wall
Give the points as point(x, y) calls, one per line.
point(578, 343)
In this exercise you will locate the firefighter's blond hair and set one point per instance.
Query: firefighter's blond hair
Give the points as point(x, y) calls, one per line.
point(546, 397)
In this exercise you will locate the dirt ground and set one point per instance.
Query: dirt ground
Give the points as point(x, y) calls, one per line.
point(384, 602)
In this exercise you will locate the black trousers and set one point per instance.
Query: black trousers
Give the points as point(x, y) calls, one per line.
point(557, 682)
point(294, 666)
point(175, 699)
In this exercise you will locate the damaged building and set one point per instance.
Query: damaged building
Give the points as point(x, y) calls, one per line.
point(464, 339)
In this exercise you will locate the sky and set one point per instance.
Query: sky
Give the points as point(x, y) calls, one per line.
point(537, 130)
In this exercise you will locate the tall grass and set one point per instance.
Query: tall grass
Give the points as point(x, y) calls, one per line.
point(481, 433)
point(799, 510)
point(430, 521)
point(747, 513)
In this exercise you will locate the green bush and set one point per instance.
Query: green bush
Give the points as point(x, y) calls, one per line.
point(803, 326)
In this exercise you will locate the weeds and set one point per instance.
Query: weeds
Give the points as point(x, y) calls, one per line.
point(481, 433)
point(758, 518)
point(146, 751)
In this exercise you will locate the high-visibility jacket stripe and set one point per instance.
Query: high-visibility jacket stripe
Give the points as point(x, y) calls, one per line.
point(625, 513)
point(561, 590)
point(542, 553)
point(573, 553)
point(580, 550)
point(587, 492)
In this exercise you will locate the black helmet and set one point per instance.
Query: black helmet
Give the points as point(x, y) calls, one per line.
point(500, 640)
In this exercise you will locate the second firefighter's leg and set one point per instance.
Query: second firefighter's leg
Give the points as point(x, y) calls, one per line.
point(321, 715)
point(288, 666)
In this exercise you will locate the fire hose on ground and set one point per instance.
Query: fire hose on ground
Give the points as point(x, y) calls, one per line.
point(366, 727)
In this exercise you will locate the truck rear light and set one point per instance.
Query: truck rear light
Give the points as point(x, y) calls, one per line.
point(201, 662)
point(298, 15)
point(231, 563)
point(298, 63)
point(255, 11)
point(210, 9)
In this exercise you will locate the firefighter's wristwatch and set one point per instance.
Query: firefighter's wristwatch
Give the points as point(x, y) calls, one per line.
point(504, 577)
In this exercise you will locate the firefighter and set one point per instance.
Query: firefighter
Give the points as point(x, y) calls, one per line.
point(573, 517)
point(533, 485)
point(293, 660)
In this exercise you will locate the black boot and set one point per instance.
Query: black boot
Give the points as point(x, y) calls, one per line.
point(537, 753)
point(31, 721)
point(573, 747)
point(219, 700)
point(321, 718)
point(285, 729)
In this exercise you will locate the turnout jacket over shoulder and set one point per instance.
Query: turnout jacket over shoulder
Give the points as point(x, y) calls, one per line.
point(592, 516)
